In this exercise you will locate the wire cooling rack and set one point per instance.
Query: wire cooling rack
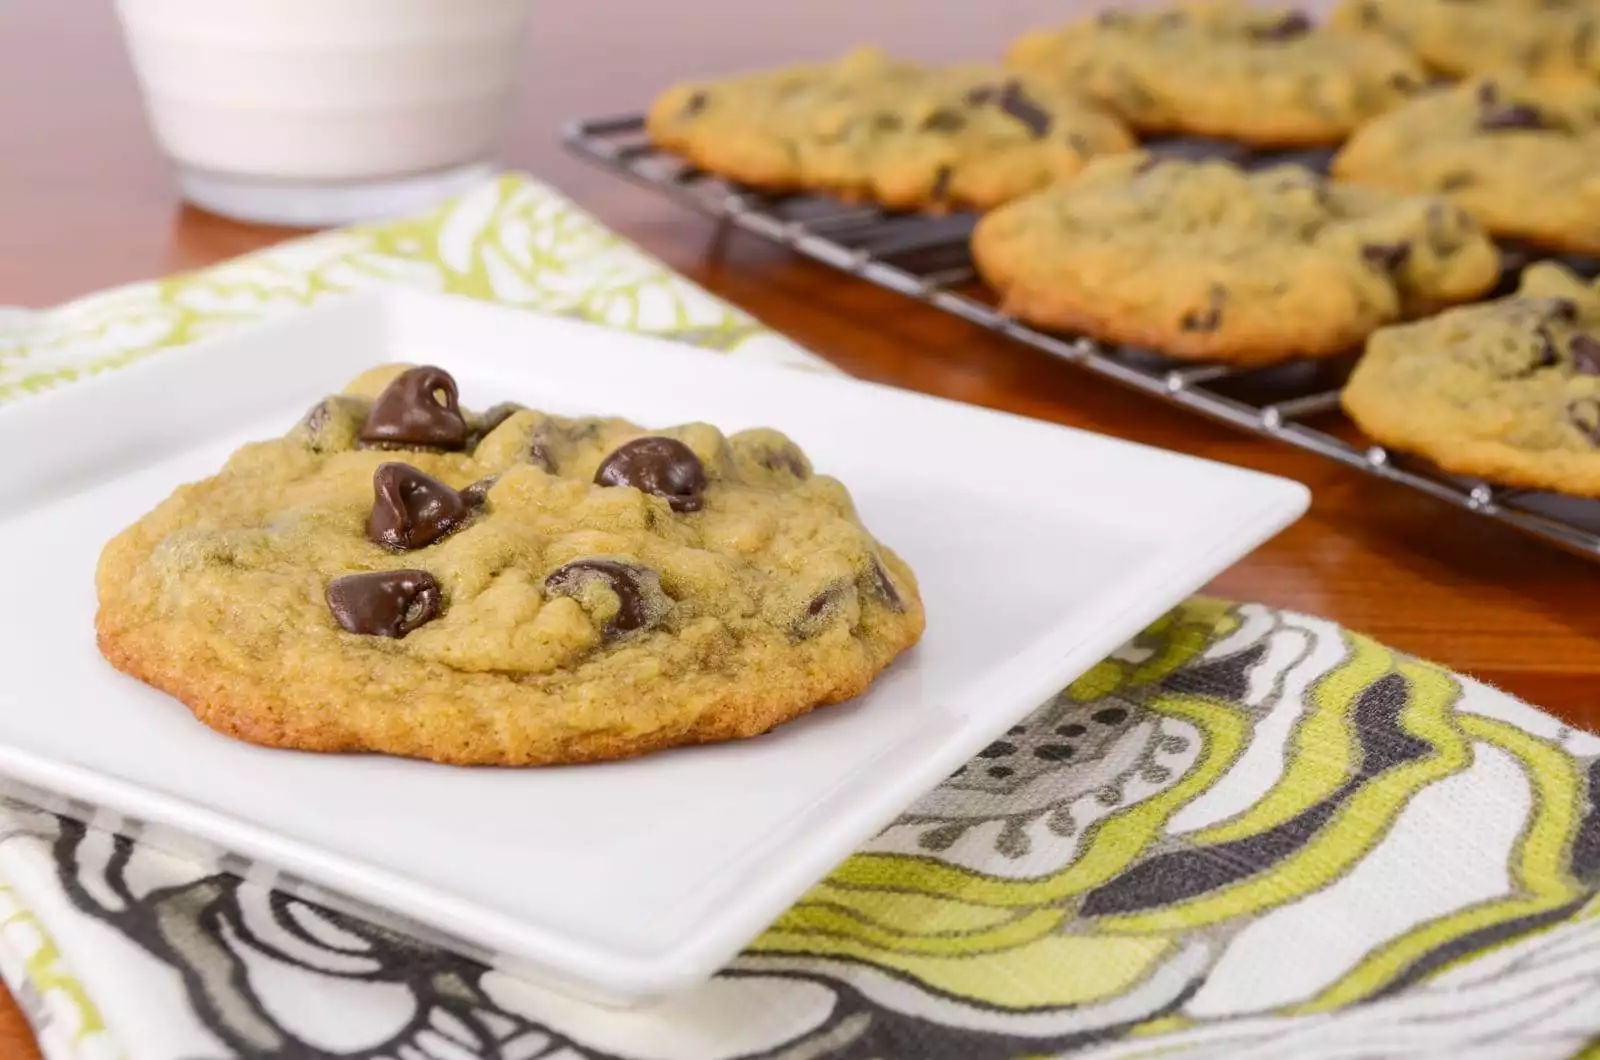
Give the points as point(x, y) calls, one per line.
point(926, 258)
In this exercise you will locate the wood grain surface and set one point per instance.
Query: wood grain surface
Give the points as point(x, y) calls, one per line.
point(86, 202)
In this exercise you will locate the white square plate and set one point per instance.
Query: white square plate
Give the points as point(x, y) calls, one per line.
point(1039, 550)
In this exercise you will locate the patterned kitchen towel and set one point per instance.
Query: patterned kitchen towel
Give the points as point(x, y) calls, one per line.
point(1248, 834)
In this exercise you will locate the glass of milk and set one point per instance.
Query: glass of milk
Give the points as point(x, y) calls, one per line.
point(321, 112)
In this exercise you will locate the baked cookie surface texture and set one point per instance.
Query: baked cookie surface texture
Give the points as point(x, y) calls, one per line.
point(1207, 261)
point(869, 128)
point(1508, 391)
point(399, 575)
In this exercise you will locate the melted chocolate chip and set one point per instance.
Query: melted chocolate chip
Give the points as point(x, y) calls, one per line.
point(492, 419)
point(695, 104)
point(945, 119)
point(1585, 351)
point(1545, 354)
point(664, 467)
point(411, 412)
point(386, 603)
point(1386, 256)
point(785, 458)
point(411, 509)
point(824, 600)
point(477, 494)
point(1584, 415)
point(1503, 117)
point(1562, 309)
point(883, 586)
point(638, 591)
point(1210, 318)
point(1294, 25)
point(982, 95)
point(941, 184)
point(1015, 102)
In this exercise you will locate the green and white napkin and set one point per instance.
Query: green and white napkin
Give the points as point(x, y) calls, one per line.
point(1248, 834)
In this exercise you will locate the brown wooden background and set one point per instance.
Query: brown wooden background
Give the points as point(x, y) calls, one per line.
point(85, 202)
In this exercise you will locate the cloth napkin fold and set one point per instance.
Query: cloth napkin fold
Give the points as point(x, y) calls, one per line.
point(1247, 834)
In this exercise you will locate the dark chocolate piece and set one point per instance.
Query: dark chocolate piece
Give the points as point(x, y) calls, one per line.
point(664, 467)
point(638, 591)
point(1386, 256)
point(1015, 102)
point(1585, 351)
point(420, 408)
point(411, 509)
point(1293, 26)
point(883, 586)
point(386, 603)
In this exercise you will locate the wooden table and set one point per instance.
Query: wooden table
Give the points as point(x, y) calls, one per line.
point(85, 202)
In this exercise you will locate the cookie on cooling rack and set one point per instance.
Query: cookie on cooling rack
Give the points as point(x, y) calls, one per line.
point(1547, 39)
point(1265, 76)
point(869, 128)
point(1523, 157)
point(1207, 261)
point(510, 588)
point(1508, 391)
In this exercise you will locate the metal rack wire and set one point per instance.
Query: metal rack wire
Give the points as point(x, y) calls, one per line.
point(926, 258)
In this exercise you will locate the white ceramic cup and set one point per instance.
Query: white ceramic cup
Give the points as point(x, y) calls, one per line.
point(317, 112)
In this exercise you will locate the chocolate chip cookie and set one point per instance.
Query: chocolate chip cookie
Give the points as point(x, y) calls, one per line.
point(1207, 261)
point(1554, 39)
point(400, 575)
point(1266, 76)
point(869, 128)
point(1522, 157)
point(1508, 391)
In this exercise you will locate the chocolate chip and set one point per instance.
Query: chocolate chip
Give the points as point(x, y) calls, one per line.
point(542, 446)
point(878, 578)
point(1512, 116)
point(1488, 94)
point(664, 467)
point(1584, 415)
point(945, 119)
point(941, 184)
point(386, 603)
point(1585, 351)
point(1015, 102)
point(1562, 309)
point(824, 600)
point(491, 419)
point(640, 601)
point(1545, 354)
point(411, 509)
point(1445, 227)
point(1401, 81)
point(1386, 256)
point(318, 417)
point(888, 122)
point(785, 458)
point(1210, 318)
point(420, 408)
point(695, 104)
point(1292, 26)
point(1457, 180)
point(477, 494)
point(982, 95)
